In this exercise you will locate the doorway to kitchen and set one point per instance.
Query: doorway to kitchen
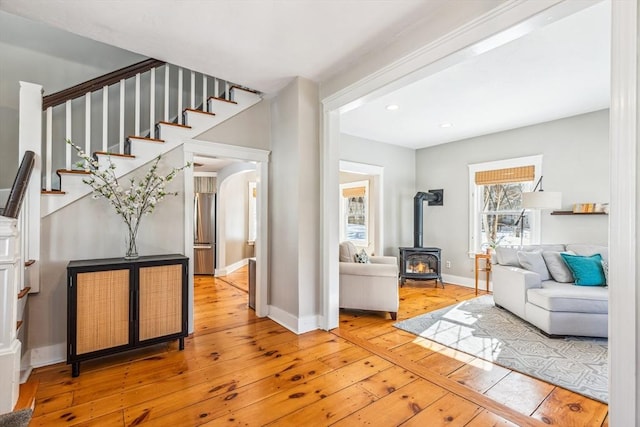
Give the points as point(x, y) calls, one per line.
point(240, 161)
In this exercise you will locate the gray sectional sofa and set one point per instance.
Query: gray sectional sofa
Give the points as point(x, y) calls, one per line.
point(535, 284)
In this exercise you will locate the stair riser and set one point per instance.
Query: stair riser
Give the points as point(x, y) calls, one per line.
point(243, 97)
point(22, 303)
point(200, 121)
point(72, 182)
point(224, 110)
point(119, 162)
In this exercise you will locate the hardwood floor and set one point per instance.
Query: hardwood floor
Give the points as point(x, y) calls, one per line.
point(238, 369)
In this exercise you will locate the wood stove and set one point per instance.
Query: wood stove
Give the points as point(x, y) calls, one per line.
point(420, 263)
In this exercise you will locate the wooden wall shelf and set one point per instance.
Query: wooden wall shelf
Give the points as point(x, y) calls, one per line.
point(577, 213)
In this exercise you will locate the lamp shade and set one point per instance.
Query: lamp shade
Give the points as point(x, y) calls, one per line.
point(542, 200)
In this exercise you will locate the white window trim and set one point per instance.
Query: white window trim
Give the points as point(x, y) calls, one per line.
point(475, 200)
point(361, 243)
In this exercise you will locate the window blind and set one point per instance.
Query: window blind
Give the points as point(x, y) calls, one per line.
point(354, 192)
point(504, 176)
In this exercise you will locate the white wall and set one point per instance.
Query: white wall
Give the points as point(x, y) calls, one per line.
point(37, 53)
point(575, 162)
point(398, 188)
point(294, 205)
point(234, 193)
point(251, 128)
point(87, 229)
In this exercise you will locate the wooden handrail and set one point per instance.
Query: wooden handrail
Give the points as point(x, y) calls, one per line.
point(19, 187)
point(99, 82)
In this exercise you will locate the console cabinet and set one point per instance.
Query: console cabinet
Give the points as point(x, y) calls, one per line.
point(115, 305)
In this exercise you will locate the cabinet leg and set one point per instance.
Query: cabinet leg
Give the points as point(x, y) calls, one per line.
point(180, 344)
point(75, 369)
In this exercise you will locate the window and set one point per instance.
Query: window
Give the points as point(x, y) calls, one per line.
point(354, 218)
point(495, 190)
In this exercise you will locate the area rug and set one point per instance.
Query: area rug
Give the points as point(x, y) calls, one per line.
point(479, 328)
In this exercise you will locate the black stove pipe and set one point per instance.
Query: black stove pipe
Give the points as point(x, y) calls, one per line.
point(434, 197)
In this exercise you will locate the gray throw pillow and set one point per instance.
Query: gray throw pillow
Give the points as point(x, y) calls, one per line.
point(507, 256)
point(533, 261)
point(557, 267)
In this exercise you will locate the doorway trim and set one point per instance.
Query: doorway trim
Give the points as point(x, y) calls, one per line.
point(512, 19)
point(505, 23)
point(261, 159)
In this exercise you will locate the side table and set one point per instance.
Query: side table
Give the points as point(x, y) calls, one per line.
point(486, 267)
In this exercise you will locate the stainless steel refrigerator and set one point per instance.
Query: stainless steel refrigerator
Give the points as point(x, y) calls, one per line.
point(204, 233)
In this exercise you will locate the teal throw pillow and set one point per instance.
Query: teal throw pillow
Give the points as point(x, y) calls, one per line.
point(586, 270)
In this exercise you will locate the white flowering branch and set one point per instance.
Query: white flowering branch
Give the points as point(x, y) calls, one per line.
point(140, 198)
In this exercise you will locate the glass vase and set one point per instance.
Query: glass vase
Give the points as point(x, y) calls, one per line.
point(132, 248)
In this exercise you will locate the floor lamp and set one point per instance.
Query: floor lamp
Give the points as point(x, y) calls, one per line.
point(538, 199)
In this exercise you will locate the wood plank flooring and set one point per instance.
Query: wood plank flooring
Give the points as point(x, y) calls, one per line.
point(241, 370)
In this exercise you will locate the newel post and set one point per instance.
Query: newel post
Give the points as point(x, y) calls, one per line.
point(30, 139)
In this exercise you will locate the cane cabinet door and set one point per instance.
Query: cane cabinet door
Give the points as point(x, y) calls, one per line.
point(102, 310)
point(160, 289)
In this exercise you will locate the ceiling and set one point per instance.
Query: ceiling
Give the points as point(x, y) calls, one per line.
point(261, 44)
point(211, 164)
point(557, 71)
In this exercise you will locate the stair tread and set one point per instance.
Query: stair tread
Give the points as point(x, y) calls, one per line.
point(221, 99)
point(174, 124)
point(27, 397)
point(106, 153)
point(145, 138)
point(193, 110)
point(54, 192)
point(29, 262)
point(24, 292)
point(73, 172)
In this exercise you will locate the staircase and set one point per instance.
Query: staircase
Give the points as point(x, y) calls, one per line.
point(121, 137)
point(105, 116)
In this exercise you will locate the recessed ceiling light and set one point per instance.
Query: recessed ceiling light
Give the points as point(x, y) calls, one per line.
point(446, 125)
point(392, 107)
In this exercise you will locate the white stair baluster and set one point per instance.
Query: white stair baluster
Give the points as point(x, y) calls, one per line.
point(227, 96)
point(166, 93)
point(87, 124)
point(152, 101)
point(121, 135)
point(216, 88)
point(67, 134)
point(204, 92)
point(193, 90)
point(105, 118)
point(137, 106)
point(47, 169)
point(180, 118)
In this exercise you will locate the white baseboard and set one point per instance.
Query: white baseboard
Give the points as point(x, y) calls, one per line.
point(466, 281)
point(294, 324)
point(25, 374)
point(231, 267)
point(48, 355)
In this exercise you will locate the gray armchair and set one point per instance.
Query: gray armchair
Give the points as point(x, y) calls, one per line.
point(368, 286)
